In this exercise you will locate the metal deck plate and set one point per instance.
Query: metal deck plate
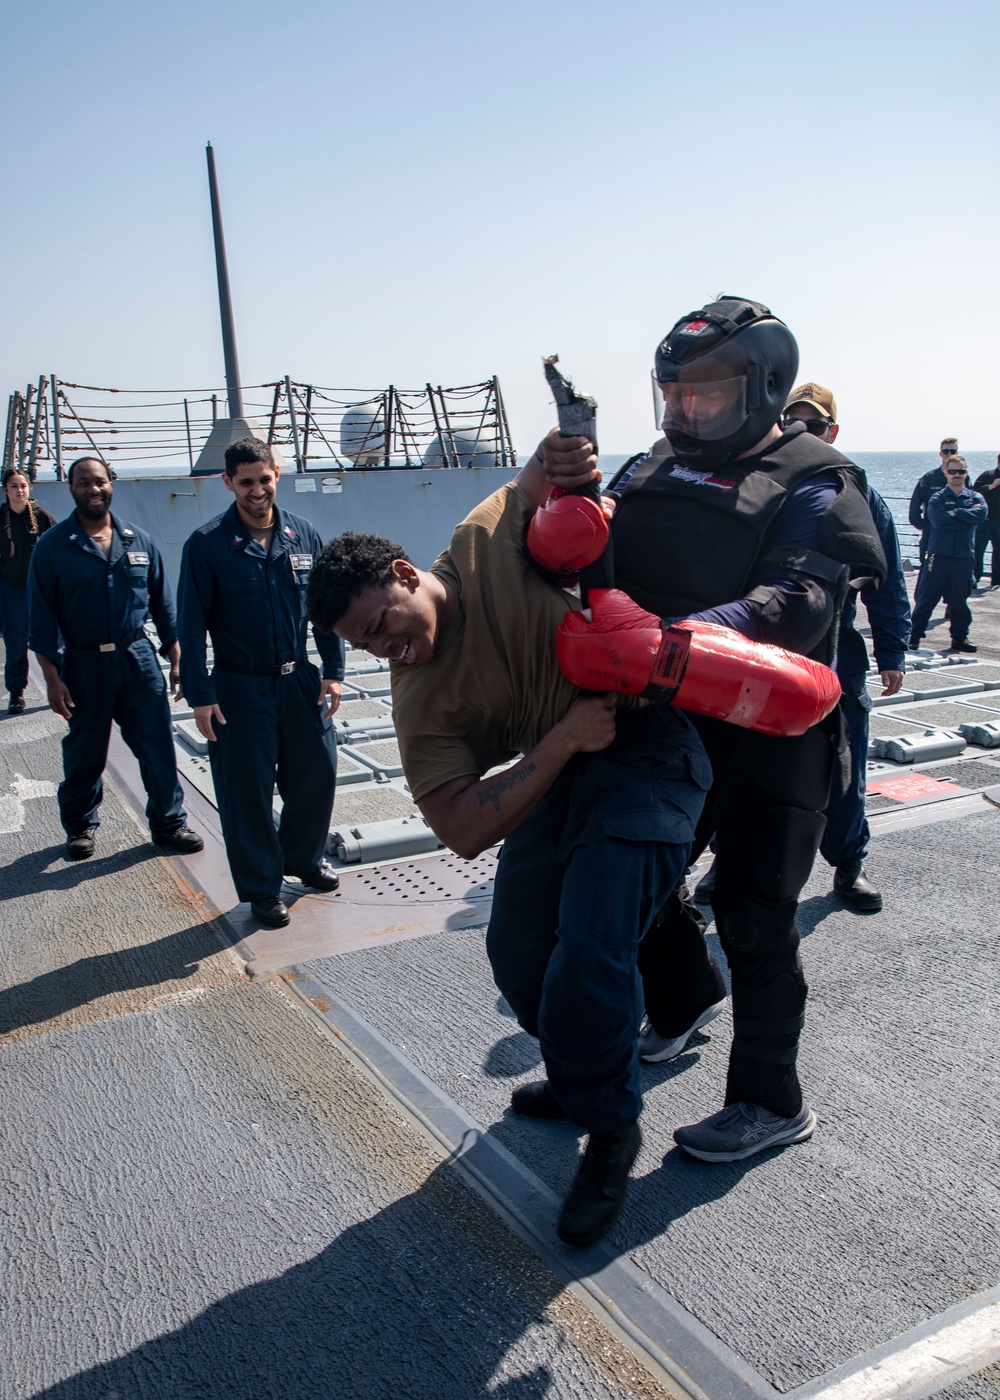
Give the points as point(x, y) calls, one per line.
point(374, 803)
point(382, 755)
point(988, 700)
point(370, 684)
point(349, 771)
point(970, 773)
point(943, 714)
point(381, 904)
point(942, 682)
point(986, 671)
point(362, 709)
point(883, 727)
point(880, 701)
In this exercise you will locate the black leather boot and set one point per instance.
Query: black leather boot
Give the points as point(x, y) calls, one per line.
point(597, 1195)
point(536, 1100)
point(851, 883)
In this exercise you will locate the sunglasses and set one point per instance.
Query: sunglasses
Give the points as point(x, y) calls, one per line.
point(948, 451)
point(956, 471)
point(816, 426)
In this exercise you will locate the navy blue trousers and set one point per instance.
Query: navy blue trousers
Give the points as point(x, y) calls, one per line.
point(845, 840)
point(14, 619)
point(273, 732)
point(987, 532)
point(765, 809)
point(125, 686)
point(950, 579)
point(577, 886)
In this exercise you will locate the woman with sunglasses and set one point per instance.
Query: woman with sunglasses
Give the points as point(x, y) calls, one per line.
point(22, 521)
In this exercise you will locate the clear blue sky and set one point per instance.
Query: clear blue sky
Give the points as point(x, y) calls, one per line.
point(443, 191)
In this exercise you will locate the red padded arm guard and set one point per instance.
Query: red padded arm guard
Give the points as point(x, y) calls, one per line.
point(567, 533)
point(696, 666)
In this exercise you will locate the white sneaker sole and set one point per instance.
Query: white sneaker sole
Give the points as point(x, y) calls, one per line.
point(784, 1139)
point(670, 1049)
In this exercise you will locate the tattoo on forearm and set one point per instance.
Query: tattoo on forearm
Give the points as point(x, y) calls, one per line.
point(490, 793)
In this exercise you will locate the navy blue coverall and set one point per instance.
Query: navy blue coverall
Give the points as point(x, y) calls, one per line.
point(926, 486)
point(98, 604)
point(253, 605)
point(947, 571)
point(845, 840)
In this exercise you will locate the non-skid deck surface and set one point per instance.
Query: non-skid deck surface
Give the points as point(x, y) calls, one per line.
point(801, 1259)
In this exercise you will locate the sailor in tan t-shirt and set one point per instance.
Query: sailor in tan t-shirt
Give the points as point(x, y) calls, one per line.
point(597, 814)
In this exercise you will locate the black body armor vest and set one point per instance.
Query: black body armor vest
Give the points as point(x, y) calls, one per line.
point(687, 539)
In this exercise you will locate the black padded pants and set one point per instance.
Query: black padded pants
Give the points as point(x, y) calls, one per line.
point(765, 808)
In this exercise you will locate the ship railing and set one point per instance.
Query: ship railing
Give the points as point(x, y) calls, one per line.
point(53, 421)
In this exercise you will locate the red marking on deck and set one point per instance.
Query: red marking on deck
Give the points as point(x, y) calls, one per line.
point(911, 785)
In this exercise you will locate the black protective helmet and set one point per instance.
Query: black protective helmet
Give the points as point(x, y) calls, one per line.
point(721, 378)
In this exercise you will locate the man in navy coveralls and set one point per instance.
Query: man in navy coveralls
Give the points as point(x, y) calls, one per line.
point(953, 513)
point(95, 580)
point(844, 844)
point(264, 708)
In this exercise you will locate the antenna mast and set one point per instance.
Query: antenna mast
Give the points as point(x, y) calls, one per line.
point(234, 391)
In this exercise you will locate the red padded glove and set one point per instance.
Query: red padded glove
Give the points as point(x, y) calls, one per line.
point(567, 533)
point(694, 665)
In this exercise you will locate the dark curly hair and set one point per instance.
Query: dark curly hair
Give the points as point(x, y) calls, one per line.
point(343, 570)
point(248, 449)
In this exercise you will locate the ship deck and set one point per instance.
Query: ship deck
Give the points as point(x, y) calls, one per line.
point(246, 1162)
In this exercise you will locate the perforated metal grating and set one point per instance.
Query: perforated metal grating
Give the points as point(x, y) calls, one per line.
point(434, 880)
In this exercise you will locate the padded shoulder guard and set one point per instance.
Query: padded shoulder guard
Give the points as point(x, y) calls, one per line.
point(847, 531)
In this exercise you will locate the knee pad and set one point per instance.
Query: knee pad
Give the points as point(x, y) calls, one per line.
point(752, 929)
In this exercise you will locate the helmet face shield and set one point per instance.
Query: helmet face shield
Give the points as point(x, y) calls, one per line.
point(707, 411)
point(721, 377)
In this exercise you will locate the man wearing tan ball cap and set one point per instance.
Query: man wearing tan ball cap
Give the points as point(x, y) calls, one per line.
point(816, 397)
point(845, 841)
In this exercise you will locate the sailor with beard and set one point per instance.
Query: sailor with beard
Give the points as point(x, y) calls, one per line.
point(93, 582)
point(264, 708)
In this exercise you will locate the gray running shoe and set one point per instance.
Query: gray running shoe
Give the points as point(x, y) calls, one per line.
point(741, 1129)
point(653, 1047)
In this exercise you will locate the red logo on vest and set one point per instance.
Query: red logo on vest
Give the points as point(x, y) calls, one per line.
point(683, 473)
